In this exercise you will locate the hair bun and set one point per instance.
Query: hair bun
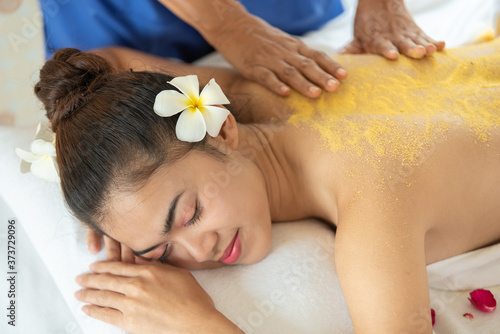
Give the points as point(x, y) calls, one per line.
point(67, 80)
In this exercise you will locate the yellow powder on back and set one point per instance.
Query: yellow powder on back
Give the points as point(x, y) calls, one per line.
point(395, 109)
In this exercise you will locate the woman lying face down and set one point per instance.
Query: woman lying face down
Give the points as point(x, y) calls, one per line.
point(209, 203)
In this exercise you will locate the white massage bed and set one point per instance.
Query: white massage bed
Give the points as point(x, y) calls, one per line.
point(293, 290)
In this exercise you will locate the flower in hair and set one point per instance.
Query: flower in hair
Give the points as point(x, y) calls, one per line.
point(41, 161)
point(199, 112)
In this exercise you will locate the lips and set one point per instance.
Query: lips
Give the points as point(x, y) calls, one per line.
point(233, 251)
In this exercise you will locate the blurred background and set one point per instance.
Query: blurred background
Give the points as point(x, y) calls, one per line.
point(21, 56)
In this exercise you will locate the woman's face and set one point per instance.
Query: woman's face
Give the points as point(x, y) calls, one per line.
point(215, 213)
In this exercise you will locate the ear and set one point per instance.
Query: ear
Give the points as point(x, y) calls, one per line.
point(229, 132)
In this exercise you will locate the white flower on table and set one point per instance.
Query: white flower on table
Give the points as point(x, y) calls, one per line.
point(199, 111)
point(41, 161)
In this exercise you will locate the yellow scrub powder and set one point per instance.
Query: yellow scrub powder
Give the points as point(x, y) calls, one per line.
point(395, 109)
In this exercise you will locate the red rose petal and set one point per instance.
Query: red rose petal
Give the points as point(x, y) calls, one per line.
point(433, 316)
point(483, 300)
point(468, 315)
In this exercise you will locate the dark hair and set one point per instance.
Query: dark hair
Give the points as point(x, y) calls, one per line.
point(108, 138)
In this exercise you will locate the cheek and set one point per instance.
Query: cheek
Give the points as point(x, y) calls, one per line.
point(259, 242)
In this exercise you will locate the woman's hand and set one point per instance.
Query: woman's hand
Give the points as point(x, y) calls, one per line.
point(150, 298)
point(275, 59)
point(114, 250)
point(385, 27)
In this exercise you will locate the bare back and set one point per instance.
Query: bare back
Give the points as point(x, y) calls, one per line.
point(421, 136)
point(408, 154)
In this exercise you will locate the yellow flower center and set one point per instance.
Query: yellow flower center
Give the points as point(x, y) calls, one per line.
point(195, 104)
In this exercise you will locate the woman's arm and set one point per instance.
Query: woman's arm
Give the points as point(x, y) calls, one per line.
point(123, 58)
point(381, 265)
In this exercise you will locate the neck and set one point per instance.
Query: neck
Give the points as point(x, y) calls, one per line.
point(264, 145)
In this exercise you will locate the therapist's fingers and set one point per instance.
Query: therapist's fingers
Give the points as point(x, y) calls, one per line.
point(326, 63)
point(410, 49)
point(428, 42)
point(291, 75)
point(439, 44)
point(93, 241)
point(113, 249)
point(267, 78)
point(311, 71)
point(302, 73)
point(384, 47)
point(429, 47)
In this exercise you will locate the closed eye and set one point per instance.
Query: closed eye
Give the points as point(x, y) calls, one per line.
point(169, 221)
point(193, 221)
point(196, 216)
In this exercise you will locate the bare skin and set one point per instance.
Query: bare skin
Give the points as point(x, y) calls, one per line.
point(385, 236)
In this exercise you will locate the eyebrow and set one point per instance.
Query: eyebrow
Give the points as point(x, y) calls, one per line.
point(168, 224)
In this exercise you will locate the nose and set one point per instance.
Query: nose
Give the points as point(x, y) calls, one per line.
point(201, 246)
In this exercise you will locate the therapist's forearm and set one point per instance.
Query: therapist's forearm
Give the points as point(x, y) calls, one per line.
point(124, 59)
point(250, 102)
point(206, 16)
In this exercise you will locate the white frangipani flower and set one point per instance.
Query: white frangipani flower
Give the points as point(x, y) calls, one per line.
point(199, 111)
point(41, 161)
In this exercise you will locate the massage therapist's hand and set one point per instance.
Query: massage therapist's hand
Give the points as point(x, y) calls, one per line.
point(385, 27)
point(257, 50)
point(114, 250)
point(150, 297)
point(275, 59)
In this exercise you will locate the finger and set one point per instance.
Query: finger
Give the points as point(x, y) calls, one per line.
point(314, 73)
point(127, 254)
point(429, 47)
point(438, 44)
point(386, 48)
point(142, 260)
point(268, 79)
point(93, 241)
point(113, 249)
point(324, 61)
point(352, 48)
point(120, 268)
point(410, 49)
point(108, 315)
point(120, 284)
point(103, 298)
point(291, 75)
